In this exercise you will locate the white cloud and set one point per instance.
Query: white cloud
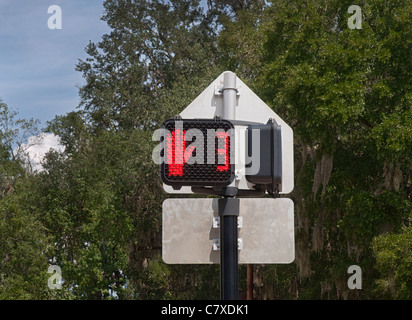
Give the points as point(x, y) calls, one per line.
point(36, 148)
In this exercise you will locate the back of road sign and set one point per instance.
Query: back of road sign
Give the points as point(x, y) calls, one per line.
point(190, 232)
point(249, 107)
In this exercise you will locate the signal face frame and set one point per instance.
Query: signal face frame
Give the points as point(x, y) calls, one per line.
point(269, 156)
point(198, 152)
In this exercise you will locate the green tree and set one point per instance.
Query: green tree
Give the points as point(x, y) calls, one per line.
point(347, 95)
point(83, 203)
point(157, 58)
point(95, 209)
point(153, 46)
point(24, 245)
point(24, 248)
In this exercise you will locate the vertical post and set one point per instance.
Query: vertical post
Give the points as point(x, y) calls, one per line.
point(229, 209)
point(229, 96)
point(249, 288)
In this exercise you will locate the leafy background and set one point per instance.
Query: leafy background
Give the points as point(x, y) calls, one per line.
point(95, 209)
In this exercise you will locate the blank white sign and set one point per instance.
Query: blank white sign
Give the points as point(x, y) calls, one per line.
point(267, 231)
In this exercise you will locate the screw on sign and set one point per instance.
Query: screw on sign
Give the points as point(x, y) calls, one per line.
point(197, 152)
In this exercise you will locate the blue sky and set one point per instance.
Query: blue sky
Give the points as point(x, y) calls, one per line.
point(37, 64)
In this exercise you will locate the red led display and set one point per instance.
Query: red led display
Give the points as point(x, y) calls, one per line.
point(223, 151)
point(197, 152)
point(175, 148)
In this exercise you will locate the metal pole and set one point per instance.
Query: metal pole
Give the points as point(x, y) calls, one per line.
point(229, 96)
point(229, 209)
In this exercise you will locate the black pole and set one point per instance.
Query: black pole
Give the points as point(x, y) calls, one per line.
point(228, 209)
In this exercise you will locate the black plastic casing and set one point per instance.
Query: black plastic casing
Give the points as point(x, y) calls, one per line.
point(269, 156)
point(201, 174)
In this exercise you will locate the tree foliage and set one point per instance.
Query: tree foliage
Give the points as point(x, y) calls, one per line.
point(95, 209)
point(347, 95)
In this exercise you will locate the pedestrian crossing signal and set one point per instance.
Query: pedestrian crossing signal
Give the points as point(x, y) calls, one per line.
point(197, 152)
